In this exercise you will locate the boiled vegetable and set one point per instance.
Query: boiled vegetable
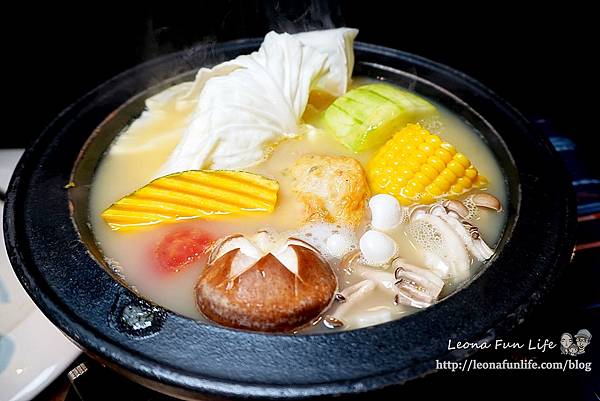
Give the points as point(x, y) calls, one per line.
point(367, 116)
point(416, 166)
point(181, 247)
point(207, 194)
point(246, 106)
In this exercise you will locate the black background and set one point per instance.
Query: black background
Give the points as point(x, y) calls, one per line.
point(541, 60)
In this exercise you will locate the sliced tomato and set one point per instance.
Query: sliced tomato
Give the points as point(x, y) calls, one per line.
point(180, 248)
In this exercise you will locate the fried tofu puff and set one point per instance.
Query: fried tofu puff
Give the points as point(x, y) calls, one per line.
point(332, 189)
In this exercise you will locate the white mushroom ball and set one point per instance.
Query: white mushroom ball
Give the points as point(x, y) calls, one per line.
point(386, 212)
point(377, 248)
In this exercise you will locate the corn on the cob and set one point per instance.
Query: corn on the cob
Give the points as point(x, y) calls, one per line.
point(206, 194)
point(416, 166)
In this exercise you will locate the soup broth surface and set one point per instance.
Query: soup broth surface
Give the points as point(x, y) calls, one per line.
point(138, 153)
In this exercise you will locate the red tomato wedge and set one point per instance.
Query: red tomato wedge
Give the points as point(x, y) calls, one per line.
point(180, 248)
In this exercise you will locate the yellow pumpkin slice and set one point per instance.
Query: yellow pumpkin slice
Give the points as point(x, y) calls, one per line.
point(194, 194)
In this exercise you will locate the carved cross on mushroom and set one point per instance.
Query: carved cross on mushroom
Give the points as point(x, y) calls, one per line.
point(265, 284)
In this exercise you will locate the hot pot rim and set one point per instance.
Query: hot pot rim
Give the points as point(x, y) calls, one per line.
point(41, 240)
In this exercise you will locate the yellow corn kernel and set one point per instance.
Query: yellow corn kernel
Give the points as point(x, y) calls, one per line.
point(426, 148)
point(429, 171)
point(462, 159)
point(434, 190)
point(378, 172)
point(401, 181)
point(471, 172)
point(436, 163)
point(416, 139)
point(415, 185)
point(422, 178)
point(444, 155)
point(420, 157)
point(449, 148)
point(408, 192)
point(404, 201)
point(480, 182)
point(456, 168)
point(426, 197)
point(442, 183)
point(413, 165)
point(406, 173)
point(448, 175)
point(416, 166)
point(206, 194)
point(434, 141)
point(465, 182)
point(457, 188)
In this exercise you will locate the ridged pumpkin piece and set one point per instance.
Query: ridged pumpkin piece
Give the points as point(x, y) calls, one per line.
point(206, 194)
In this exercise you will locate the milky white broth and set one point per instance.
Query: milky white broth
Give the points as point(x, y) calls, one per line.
point(134, 159)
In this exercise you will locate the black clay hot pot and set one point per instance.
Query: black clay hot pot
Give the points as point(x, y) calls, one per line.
point(54, 255)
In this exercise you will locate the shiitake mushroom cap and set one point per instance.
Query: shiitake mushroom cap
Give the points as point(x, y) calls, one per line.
point(267, 296)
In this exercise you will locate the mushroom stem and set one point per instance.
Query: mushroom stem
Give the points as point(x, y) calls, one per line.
point(384, 280)
point(353, 295)
point(417, 287)
point(452, 258)
point(457, 207)
point(484, 250)
point(470, 235)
